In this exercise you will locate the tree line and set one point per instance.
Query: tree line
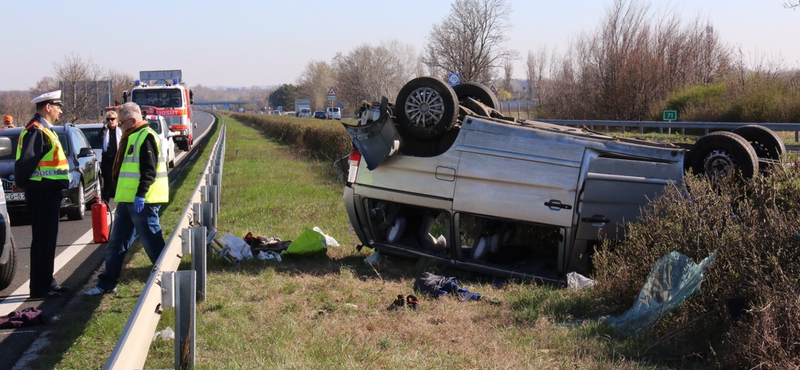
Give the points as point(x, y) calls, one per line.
point(631, 67)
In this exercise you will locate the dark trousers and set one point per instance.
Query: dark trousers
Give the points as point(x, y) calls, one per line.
point(43, 199)
point(109, 186)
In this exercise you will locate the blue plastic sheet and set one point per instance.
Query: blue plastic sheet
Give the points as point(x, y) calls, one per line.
point(673, 279)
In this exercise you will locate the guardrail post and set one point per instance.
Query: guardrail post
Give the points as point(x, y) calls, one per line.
point(199, 251)
point(178, 291)
point(213, 202)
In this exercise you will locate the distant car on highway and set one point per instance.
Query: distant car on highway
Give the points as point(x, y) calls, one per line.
point(304, 112)
point(320, 114)
point(84, 171)
point(334, 113)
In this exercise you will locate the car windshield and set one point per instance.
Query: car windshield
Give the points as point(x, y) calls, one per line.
point(94, 136)
point(161, 98)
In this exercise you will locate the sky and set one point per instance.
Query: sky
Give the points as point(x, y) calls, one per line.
point(240, 43)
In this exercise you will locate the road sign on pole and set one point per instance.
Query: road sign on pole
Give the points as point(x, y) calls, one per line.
point(670, 115)
point(454, 79)
point(331, 94)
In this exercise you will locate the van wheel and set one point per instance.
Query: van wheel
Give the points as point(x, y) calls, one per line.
point(426, 107)
point(720, 152)
point(764, 141)
point(478, 92)
point(7, 270)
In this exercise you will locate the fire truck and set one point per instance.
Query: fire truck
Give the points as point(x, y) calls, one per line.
point(166, 91)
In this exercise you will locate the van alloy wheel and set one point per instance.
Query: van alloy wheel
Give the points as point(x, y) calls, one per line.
point(426, 107)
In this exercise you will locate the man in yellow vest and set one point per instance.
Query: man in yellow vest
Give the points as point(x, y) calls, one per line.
point(42, 172)
point(140, 171)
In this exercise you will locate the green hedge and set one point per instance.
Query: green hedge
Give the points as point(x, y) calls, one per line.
point(320, 139)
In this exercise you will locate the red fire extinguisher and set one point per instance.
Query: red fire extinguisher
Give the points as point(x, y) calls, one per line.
point(100, 220)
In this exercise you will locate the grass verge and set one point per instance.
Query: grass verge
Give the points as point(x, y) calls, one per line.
point(330, 311)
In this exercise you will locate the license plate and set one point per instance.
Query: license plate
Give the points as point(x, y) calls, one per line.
point(178, 138)
point(15, 196)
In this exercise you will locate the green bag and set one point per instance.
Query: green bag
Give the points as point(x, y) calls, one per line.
point(308, 243)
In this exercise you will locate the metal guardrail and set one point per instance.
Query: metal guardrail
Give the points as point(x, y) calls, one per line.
point(133, 345)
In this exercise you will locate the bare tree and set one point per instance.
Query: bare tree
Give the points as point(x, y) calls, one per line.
point(120, 82)
point(793, 4)
point(508, 72)
point(470, 41)
point(18, 105)
point(368, 73)
point(84, 94)
point(314, 83)
point(628, 67)
point(536, 64)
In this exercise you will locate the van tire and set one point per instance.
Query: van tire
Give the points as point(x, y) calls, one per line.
point(478, 92)
point(715, 153)
point(426, 107)
point(764, 141)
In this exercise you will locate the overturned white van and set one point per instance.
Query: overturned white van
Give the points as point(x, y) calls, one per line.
point(441, 174)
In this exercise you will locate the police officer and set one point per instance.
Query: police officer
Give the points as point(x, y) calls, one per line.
point(42, 172)
point(140, 171)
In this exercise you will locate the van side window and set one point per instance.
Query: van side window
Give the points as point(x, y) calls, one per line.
point(418, 228)
point(517, 244)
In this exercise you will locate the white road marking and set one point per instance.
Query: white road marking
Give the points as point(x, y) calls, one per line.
point(19, 296)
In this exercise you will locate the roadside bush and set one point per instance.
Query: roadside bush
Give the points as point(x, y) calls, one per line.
point(324, 140)
point(752, 287)
point(753, 99)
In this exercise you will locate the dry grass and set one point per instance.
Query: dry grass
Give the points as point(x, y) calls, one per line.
point(330, 311)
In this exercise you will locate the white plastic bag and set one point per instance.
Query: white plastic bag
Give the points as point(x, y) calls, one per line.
point(329, 240)
point(373, 258)
point(165, 334)
point(577, 281)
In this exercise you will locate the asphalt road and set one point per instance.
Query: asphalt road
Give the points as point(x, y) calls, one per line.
point(77, 258)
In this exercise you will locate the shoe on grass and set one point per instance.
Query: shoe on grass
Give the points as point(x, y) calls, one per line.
point(98, 291)
point(398, 303)
point(412, 302)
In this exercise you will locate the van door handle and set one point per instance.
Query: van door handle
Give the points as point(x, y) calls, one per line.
point(596, 220)
point(555, 205)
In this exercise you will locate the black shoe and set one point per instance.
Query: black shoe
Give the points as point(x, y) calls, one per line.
point(398, 303)
point(412, 302)
point(59, 288)
point(47, 294)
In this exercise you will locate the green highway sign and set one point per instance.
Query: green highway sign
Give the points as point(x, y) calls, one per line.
point(670, 115)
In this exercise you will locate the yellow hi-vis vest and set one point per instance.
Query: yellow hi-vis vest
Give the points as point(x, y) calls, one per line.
point(128, 181)
point(53, 165)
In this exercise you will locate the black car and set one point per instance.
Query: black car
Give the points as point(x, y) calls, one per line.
point(320, 114)
point(84, 171)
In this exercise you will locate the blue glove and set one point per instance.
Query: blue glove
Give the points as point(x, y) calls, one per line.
point(138, 204)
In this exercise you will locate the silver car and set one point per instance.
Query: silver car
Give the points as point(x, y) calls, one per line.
point(441, 174)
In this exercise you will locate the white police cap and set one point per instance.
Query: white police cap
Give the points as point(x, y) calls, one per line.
point(53, 97)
